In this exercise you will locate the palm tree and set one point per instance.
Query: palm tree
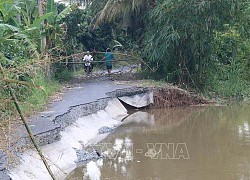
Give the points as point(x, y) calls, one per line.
point(111, 10)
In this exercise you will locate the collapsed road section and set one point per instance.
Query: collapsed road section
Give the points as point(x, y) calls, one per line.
point(77, 120)
point(74, 129)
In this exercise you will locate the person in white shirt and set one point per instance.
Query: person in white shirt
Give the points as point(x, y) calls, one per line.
point(88, 59)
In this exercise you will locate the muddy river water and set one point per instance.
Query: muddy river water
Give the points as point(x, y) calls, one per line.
point(192, 143)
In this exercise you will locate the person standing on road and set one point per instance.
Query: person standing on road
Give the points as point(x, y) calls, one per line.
point(109, 57)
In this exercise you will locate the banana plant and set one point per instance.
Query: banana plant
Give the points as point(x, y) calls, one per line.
point(16, 45)
point(8, 11)
point(17, 38)
point(28, 28)
point(53, 30)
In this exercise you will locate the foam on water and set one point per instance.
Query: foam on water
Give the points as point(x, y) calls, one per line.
point(93, 171)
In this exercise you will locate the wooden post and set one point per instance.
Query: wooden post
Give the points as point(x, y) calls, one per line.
point(27, 126)
point(30, 132)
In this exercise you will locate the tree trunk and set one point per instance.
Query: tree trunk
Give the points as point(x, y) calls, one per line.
point(44, 42)
point(40, 12)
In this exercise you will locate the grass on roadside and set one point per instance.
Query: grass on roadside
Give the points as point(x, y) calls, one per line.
point(39, 98)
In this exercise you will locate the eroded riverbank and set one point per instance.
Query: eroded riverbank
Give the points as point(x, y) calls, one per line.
point(89, 98)
point(185, 143)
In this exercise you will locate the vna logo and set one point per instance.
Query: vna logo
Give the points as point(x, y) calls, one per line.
point(167, 151)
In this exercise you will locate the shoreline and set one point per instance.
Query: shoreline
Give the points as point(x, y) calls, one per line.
point(73, 113)
point(61, 154)
point(68, 120)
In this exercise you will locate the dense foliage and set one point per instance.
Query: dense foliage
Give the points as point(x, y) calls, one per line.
point(26, 37)
point(201, 44)
point(192, 43)
point(181, 37)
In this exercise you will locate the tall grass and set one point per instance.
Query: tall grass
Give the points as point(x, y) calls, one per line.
point(229, 80)
point(38, 98)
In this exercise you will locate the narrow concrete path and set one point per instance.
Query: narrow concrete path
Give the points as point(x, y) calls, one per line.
point(59, 145)
point(81, 93)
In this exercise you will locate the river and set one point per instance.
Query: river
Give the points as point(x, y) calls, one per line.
point(191, 143)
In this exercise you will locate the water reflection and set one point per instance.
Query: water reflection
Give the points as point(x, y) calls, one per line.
point(243, 130)
point(216, 139)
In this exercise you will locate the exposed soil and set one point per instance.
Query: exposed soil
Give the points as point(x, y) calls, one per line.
point(165, 95)
point(172, 97)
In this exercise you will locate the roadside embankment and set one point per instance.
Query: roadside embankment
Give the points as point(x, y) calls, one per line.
point(73, 122)
point(171, 96)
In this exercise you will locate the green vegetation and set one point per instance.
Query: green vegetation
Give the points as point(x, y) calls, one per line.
point(191, 43)
point(38, 98)
point(228, 75)
point(28, 32)
point(194, 44)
